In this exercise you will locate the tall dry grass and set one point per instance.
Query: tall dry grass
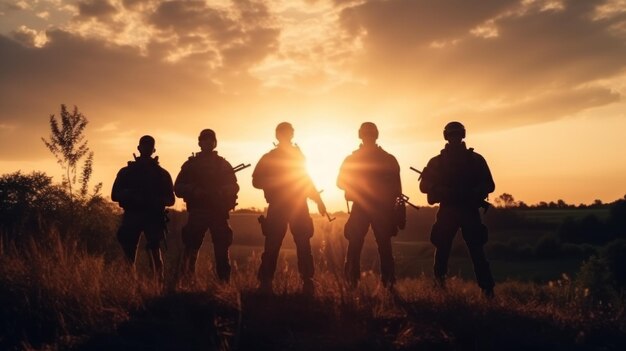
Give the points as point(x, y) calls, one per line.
point(54, 295)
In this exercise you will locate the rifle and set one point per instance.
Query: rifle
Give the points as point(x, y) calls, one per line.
point(403, 199)
point(240, 167)
point(330, 219)
point(418, 172)
point(484, 204)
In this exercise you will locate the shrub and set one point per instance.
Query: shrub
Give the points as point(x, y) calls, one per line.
point(614, 256)
point(595, 281)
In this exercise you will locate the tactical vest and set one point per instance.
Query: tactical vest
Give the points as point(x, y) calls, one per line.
point(207, 174)
point(144, 180)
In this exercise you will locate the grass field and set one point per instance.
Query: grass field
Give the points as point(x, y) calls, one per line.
point(55, 296)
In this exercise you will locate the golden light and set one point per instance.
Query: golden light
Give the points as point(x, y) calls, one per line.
point(325, 150)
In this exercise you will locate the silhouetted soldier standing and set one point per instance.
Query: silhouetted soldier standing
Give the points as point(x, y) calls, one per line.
point(143, 189)
point(282, 175)
point(459, 180)
point(370, 178)
point(209, 187)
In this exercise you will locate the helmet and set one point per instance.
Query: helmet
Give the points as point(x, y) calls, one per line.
point(147, 141)
point(454, 129)
point(368, 130)
point(284, 130)
point(207, 134)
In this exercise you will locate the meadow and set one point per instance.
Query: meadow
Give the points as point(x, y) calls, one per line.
point(57, 295)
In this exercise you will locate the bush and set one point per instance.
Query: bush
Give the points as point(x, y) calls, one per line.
point(31, 208)
point(29, 204)
point(614, 256)
point(595, 281)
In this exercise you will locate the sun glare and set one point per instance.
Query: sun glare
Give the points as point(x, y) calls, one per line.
point(325, 151)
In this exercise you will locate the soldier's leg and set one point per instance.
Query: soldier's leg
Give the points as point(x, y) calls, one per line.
point(192, 235)
point(384, 228)
point(154, 233)
point(275, 228)
point(301, 226)
point(128, 235)
point(355, 230)
point(442, 235)
point(475, 235)
point(222, 236)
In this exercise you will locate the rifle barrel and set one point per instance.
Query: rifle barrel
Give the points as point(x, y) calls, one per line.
point(405, 199)
point(240, 167)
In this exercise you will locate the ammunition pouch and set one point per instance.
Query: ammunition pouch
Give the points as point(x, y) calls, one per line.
point(400, 214)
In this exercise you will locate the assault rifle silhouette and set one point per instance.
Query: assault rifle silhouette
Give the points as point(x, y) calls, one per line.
point(240, 167)
point(484, 204)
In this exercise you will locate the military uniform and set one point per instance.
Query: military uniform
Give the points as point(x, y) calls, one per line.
point(370, 178)
point(143, 189)
point(209, 187)
point(282, 175)
point(459, 180)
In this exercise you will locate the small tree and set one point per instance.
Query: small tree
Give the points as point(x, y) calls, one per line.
point(505, 200)
point(68, 145)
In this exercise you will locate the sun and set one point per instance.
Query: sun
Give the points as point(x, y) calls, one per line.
point(324, 152)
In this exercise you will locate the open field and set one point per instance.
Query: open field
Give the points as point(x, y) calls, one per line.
point(56, 296)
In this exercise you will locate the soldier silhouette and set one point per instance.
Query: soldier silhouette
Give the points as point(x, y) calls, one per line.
point(459, 180)
point(370, 178)
point(143, 189)
point(282, 175)
point(209, 187)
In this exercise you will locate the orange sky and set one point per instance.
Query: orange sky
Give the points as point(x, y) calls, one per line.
point(538, 84)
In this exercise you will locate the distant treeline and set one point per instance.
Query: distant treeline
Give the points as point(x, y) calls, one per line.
point(507, 200)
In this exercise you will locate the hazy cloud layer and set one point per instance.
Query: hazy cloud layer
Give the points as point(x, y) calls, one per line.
point(522, 62)
point(415, 63)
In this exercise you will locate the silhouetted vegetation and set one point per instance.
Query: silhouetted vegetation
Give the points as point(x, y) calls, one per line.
point(63, 284)
point(68, 145)
point(62, 297)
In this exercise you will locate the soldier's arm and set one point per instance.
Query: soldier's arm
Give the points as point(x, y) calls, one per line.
point(487, 184)
point(117, 192)
point(395, 174)
point(168, 189)
point(183, 187)
point(342, 178)
point(259, 174)
point(229, 179)
point(427, 183)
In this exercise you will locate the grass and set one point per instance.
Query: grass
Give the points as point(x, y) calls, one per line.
point(55, 296)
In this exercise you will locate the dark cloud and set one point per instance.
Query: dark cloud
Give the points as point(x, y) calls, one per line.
point(241, 35)
point(403, 24)
point(535, 68)
point(132, 4)
point(96, 8)
point(108, 83)
point(183, 17)
point(546, 107)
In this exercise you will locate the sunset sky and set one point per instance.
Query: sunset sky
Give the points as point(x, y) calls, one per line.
point(538, 84)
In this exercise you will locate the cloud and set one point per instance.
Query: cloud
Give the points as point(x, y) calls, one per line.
point(30, 37)
point(534, 60)
point(96, 8)
point(106, 82)
point(233, 38)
